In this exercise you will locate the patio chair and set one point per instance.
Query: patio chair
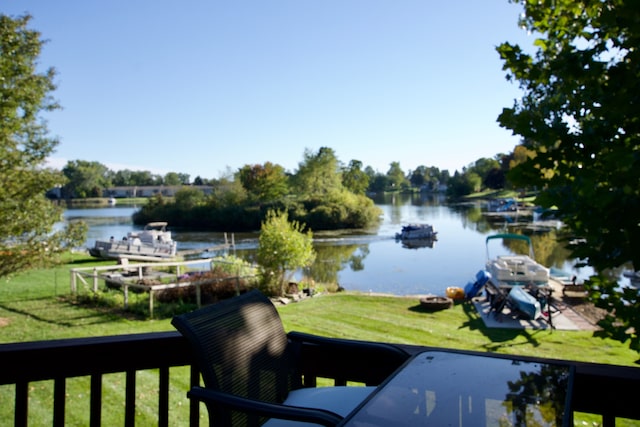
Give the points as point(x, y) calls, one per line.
point(253, 371)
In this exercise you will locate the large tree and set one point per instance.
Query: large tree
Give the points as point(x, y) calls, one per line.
point(396, 176)
point(266, 183)
point(27, 218)
point(418, 176)
point(86, 179)
point(579, 115)
point(354, 178)
point(319, 173)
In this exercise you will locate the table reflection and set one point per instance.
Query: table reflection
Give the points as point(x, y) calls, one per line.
point(452, 389)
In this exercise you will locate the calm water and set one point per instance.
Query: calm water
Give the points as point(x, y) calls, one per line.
point(369, 260)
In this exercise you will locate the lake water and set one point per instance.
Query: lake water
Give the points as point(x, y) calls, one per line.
point(370, 260)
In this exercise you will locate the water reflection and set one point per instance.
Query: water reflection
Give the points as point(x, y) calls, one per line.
point(372, 260)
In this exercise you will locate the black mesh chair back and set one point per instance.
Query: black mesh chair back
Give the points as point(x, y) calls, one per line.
point(241, 349)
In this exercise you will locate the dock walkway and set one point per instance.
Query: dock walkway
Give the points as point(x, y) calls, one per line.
point(153, 277)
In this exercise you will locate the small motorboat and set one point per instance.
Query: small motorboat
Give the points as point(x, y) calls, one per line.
point(417, 231)
point(508, 204)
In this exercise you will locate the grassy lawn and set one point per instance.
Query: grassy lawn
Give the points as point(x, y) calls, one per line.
point(401, 320)
point(36, 306)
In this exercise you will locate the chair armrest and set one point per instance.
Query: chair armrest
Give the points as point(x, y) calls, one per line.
point(270, 410)
point(345, 359)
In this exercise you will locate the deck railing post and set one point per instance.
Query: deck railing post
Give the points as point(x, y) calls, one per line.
point(130, 399)
point(59, 402)
point(95, 401)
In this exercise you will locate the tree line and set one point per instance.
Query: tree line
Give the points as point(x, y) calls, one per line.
point(86, 179)
point(323, 193)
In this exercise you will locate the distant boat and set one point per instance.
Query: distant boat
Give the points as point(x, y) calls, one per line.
point(634, 278)
point(508, 204)
point(154, 243)
point(112, 201)
point(416, 232)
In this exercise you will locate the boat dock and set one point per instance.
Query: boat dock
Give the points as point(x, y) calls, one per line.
point(188, 253)
point(156, 277)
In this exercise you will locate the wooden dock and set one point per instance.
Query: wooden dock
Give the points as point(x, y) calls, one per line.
point(150, 277)
point(228, 244)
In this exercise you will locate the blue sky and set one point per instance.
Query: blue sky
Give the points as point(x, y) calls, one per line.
point(204, 87)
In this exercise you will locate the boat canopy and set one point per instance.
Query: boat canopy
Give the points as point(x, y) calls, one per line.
point(512, 236)
point(157, 226)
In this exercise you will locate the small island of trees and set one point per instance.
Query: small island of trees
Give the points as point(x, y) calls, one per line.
point(316, 195)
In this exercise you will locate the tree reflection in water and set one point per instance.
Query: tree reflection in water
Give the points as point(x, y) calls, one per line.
point(331, 259)
point(539, 397)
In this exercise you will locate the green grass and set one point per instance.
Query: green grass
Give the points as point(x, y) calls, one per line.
point(401, 320)
point(36, 305)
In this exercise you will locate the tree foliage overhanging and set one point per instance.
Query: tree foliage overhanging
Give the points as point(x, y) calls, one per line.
point(579, 116)
point(27, 218)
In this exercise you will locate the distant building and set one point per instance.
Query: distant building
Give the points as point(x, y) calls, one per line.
point(151, 190)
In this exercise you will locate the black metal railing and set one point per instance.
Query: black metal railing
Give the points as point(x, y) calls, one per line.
point(604, 390)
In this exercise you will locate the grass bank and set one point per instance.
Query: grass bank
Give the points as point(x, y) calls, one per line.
point(402, 320)
point(36, 305)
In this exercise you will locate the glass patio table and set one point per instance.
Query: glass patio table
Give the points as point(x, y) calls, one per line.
point(436, 388)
